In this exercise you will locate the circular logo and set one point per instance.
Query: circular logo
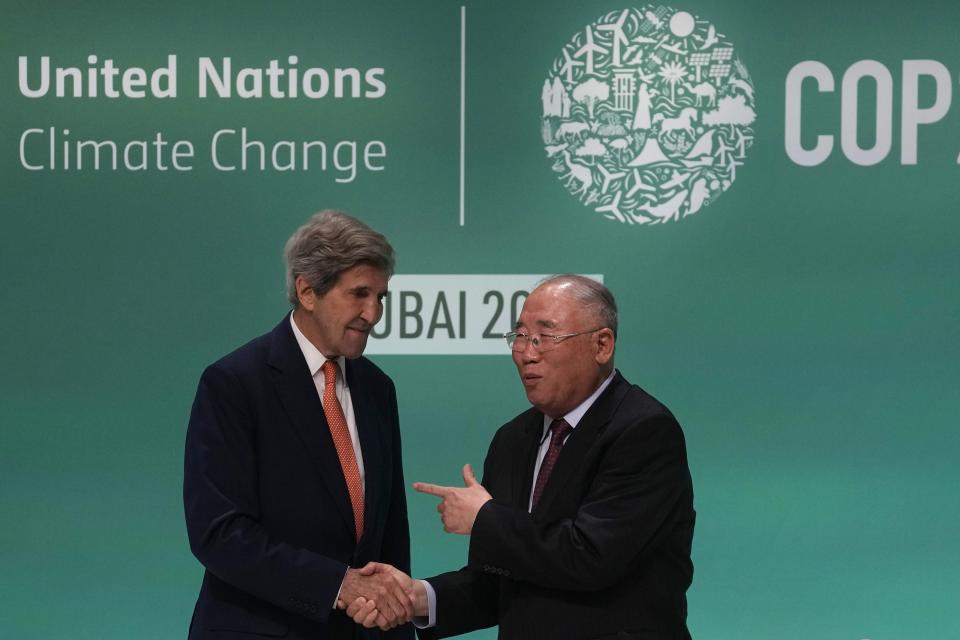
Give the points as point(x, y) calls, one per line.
point(647, 115)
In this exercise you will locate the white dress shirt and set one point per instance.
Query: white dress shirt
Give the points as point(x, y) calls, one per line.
point(315, 361)
point(573, 419)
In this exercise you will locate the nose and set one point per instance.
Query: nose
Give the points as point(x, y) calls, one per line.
point(528, 353)
point(371, 311)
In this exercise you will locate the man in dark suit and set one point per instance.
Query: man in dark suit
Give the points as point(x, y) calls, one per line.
point(583, 524)
point(292, 475)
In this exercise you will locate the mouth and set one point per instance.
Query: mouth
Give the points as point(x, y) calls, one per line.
point(529, 378)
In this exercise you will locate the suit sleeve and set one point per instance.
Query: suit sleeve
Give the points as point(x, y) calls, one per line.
point(222, 508)
point(466, 601)
point(629, 507)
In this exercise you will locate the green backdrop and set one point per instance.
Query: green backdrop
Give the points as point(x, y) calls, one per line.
point(803, 327)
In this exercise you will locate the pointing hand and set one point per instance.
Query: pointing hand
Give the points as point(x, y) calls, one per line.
point(458, 505)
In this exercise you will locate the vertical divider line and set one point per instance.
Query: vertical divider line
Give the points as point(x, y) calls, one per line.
point(463, 104)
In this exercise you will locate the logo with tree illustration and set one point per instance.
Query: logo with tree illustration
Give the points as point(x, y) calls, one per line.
point(647, 114)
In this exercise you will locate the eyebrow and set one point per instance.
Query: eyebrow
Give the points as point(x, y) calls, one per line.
point(365, 289)
point(546, 324)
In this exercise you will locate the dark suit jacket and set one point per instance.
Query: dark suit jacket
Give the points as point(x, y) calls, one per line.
point(267, 509)
point(606, 552)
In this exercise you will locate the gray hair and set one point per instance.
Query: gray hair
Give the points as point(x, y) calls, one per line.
point(595, 298)
point(328, 244)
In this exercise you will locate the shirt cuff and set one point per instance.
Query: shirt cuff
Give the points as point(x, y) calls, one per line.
point(338, 593)
point(429, 620)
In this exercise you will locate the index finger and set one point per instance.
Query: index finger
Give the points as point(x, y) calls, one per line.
point(432, 489)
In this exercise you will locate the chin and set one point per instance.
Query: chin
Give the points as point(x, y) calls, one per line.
point(538, 405)
point(355, 351)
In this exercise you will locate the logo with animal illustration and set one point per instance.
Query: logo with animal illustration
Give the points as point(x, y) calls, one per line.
point(647, 115)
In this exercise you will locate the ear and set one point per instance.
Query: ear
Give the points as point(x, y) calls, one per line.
point(605, 343)
point(305, 293)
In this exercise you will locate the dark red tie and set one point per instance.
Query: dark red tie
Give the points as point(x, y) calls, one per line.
point(560, 430)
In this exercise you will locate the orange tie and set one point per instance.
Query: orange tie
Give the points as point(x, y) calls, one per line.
point(341, 440)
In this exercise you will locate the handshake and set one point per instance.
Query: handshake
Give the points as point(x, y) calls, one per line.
point(379, 595)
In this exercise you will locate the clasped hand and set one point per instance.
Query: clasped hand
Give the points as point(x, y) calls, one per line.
point(379, 595)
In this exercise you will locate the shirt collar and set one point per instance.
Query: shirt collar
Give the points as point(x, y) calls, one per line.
point(574, 415)
point(312, 355)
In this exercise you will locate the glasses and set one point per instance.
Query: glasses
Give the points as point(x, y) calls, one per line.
point(518, 341)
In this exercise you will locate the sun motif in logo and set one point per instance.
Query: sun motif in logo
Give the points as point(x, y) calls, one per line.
point(647, 115)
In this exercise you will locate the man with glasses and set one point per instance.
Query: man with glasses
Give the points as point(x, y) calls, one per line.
point(583, 524)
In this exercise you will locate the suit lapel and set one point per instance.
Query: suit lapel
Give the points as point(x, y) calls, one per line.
point(371, 446)
point(574, 452)
point(298, 395)
point(523, 470)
